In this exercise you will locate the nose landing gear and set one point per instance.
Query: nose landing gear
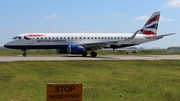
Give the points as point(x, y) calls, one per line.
point(24, 54)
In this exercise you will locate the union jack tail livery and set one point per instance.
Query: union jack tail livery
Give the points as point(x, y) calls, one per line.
point(151, 25)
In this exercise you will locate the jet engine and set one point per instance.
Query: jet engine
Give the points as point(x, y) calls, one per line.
point(75, 49)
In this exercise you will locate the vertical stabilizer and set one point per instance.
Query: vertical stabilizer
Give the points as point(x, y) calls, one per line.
point(151, 26)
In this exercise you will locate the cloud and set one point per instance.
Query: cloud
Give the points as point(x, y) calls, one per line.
point(52, 16)
point(144, 17)
point(172, 3)
point(166, 19)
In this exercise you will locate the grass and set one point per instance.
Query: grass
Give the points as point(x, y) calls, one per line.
point(134, 80)
point(100, 52)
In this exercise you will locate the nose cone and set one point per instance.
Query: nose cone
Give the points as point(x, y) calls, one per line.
point(7, 45)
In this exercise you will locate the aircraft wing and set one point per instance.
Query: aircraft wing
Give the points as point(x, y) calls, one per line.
point(99, 45)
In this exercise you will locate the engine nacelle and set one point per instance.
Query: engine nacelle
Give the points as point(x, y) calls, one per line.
point(75, 49)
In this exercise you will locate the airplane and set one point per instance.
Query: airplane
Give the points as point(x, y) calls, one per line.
point(80, 43)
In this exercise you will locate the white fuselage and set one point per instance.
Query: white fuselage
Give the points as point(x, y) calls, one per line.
point(62, 40)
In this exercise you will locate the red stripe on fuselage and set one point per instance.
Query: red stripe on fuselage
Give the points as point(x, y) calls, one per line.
point(35, 35)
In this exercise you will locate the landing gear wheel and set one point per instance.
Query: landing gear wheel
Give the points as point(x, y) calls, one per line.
point(93, 54)
point(84, 54)
point(24, 54)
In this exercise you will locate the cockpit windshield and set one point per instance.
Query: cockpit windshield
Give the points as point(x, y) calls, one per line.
point(17, 37)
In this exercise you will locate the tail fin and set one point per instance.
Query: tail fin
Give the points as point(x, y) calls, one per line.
point(151, 25)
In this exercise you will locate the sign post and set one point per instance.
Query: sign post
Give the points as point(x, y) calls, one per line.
point(64, 92)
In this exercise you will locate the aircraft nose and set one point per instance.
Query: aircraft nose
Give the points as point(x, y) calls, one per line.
point(7, 45)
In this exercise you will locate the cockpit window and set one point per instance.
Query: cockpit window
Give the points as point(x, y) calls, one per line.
point(15, 37)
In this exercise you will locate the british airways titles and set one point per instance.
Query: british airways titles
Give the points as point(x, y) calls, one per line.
point(49, 40)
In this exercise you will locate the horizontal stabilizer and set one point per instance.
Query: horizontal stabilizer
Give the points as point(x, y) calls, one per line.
point(166, 34)
point(160, 36)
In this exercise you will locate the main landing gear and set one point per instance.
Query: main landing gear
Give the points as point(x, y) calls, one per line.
point(93, 54)
point(84, 54)
point(24, 54)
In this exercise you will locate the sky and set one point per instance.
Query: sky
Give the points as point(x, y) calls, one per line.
point(92, 16)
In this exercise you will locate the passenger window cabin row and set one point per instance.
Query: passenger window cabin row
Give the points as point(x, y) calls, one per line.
point(83, 37)
point(18, 37)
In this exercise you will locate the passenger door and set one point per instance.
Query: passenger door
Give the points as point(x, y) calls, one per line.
point(31, 41)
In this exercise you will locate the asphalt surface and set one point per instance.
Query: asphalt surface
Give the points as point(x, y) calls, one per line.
point(109, 57)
